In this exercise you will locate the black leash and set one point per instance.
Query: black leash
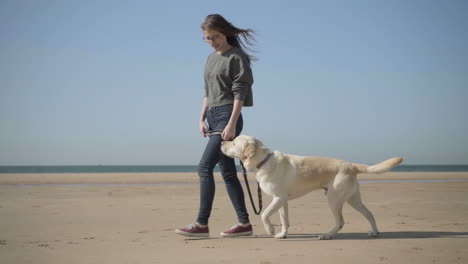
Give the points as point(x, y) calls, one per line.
point(259, 191)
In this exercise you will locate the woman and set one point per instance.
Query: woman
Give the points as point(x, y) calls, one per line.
point(228, 87)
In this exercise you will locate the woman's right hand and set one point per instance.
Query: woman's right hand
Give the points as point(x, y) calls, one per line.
point(203, 128)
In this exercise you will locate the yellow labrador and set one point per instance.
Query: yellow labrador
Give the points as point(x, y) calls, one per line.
point(286, 177)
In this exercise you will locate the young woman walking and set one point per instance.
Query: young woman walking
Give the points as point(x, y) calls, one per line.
point(228, 88)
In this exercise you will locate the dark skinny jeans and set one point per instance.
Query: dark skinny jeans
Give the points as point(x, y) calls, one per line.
point(218, 118)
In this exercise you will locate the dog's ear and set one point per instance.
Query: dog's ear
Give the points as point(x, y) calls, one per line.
point(248, 151)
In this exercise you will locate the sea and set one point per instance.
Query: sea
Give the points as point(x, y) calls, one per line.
point(188, 168)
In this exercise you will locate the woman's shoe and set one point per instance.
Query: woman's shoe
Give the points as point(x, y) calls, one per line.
point(194, 230)
point(238, 230)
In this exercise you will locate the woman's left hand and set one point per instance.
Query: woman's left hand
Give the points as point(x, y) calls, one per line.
point(229, 133)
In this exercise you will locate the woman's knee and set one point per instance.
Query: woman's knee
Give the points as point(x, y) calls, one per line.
point(228, 171)
point(205, 169)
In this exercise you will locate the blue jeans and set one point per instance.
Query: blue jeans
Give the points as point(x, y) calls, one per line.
point(218, 118)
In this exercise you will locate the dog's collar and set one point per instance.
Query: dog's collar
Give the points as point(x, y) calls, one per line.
point(265, 160)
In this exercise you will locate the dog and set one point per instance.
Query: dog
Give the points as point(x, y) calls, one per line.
point(286, 177)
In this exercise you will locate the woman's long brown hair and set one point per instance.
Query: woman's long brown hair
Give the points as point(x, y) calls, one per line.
point(232, 33)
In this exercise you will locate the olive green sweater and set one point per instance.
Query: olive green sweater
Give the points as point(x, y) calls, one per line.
point(228, 77)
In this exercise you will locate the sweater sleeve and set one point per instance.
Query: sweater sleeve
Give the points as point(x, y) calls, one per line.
point(241, 75)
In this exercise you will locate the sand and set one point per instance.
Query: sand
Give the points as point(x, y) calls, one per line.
point(113, 218)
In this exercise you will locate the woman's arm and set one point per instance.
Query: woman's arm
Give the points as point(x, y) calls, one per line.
point(229, 131)
point(202, 125)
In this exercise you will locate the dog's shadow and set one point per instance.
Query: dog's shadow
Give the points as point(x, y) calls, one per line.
point(359, 236)
point(382, 235)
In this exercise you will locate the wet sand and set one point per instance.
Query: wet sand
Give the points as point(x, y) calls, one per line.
point(116, 218)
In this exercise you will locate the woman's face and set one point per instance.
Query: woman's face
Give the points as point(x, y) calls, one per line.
point(216, 39)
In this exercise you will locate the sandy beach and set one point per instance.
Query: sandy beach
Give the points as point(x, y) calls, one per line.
point(130, 218)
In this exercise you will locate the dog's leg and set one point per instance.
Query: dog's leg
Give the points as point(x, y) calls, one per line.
point(356, 202)
point(284, 221)
point(275, 204)
point(335, 201)
point(285, 211)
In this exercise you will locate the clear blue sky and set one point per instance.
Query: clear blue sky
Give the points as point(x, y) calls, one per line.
point(120, 82)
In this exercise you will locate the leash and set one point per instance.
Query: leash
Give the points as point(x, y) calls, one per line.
point(259, 192)
point(211, 132)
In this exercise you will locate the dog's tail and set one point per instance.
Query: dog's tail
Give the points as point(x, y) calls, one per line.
point(379, 167)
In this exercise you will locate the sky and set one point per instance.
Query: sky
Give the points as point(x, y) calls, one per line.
point(121, 82)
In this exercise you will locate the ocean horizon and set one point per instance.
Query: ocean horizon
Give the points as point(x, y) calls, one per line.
point(186, 168)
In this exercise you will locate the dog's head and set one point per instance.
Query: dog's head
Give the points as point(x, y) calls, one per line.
point(246, 148)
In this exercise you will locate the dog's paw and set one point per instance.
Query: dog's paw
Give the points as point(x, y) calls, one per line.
point(281, 235)
point(373, 234)
point(326, 237)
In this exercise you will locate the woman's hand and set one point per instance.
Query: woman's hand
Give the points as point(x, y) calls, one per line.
point(203, 128)
point(229, 132)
